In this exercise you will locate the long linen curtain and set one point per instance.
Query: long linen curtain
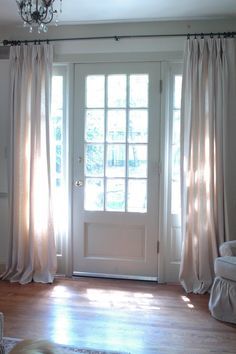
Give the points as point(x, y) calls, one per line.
point(206, 110)
point(32, 252)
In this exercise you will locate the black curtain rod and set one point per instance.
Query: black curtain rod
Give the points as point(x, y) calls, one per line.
point(117, 37)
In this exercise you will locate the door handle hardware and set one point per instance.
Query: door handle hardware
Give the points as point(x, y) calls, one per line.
point(79, 183)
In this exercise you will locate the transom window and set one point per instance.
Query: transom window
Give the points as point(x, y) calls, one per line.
point(116, 143)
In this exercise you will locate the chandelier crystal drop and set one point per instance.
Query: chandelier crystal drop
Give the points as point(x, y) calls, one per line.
point(38, 13)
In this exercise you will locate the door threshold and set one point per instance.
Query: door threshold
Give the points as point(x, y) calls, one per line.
point(114, 276)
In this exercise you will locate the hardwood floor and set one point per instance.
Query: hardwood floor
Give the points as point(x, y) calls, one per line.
point(132, 316)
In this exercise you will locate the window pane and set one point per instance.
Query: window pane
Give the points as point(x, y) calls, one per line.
point(56, 126)
point(175, 197)
point(58, 132)
point(137, 196)
point(94, 194)
point(138, 161)
point(116, 159)
point(58, 158)
point(138, 90)
point(115, 195)
point(175, 162)
point(117, 91)
point(176, 127)
point(95, 91)
point(177, 91)
point(94, 125)
point(94, 160)
point(116, 125)
point(138, 126)
point(57, 94)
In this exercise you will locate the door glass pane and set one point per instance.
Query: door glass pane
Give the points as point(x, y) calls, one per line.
point(94, 194)
point(116, 160)
point(137, 195)
point(116, 125)
point(94, 125)
point(115, 195)
point(56, 124)
point(138, 91)
point(175, 148)
point(138, 161)
point(116, 91)
point(94, 160)
point(177, 91)
point(176, 127)
point(138, 126)
point(95, 91)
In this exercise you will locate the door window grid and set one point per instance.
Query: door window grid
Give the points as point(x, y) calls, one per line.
point(112, 186)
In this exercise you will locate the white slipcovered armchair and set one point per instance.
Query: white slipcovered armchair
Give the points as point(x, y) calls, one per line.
point(222, 303)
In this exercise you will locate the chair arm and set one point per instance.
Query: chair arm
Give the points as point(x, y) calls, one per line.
point(228, 248)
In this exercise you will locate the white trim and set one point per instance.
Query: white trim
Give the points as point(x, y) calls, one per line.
point(70, 153)
point(164, 152)
point(168, 69)
point(63, 70)
point(93, 58)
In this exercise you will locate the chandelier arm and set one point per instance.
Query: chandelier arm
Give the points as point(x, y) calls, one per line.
point(26, 19)
point(42, 19)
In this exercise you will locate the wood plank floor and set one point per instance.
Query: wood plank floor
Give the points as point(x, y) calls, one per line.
point(133, 316)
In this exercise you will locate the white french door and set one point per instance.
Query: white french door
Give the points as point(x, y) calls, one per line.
point(116, 169)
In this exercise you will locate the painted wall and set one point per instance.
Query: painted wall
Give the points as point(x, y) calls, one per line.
point(87, 51)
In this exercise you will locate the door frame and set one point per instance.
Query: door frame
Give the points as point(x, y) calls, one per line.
point(165, 59)
point(168, 267)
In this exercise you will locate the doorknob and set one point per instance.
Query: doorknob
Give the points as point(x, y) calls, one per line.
point(79, 183)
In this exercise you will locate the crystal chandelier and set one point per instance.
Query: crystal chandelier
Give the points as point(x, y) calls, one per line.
point(38, 13)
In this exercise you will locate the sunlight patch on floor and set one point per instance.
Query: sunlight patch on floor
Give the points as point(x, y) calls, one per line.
point(60, 291)
point(121, 299)
point(188, 301)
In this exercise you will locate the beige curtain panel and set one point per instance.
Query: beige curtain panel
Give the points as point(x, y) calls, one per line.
point(32, 251)
point(208, 111)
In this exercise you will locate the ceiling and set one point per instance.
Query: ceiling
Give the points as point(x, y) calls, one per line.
point(92, 11)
